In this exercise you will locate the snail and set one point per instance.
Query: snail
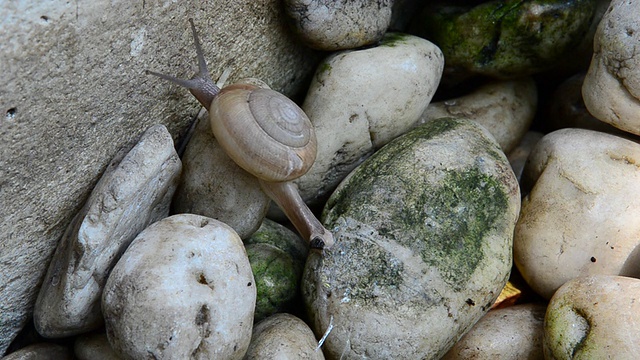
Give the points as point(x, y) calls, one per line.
point(266, 134)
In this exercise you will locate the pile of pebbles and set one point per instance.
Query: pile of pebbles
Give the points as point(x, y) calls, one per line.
point(456, 158)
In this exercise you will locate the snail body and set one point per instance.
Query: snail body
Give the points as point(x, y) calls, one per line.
point(266, 134)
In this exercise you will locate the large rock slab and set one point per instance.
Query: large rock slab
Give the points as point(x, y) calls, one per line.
point(74, 91)
point(423, 234)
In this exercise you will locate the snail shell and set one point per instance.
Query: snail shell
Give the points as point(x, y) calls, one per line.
point(263, 131)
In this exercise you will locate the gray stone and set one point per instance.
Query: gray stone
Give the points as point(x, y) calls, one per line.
point(135, 191)
point(183, 289)
point(283, 336)
point(423, 234)
point(74, 91)
point(339, 24)
point(94, 347)
point(505, 108)
point(213, 185)
point(510, 333)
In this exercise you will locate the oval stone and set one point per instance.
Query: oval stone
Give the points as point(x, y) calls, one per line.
point(510, 333)
point(183, 289)
point(611, 88)
point(283, 336)
point(505, 108)
point(213, 185)
point(360, 100)
point(594, 317)
point(339, 24)
point(423, 235)
point(580, 214)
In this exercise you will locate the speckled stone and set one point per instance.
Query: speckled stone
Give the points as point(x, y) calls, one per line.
point(183, 289)
point(578, 217)
point(423, 235)
point(339, 24)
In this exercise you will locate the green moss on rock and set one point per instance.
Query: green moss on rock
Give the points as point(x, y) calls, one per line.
point(446, 222)
point(508, 38)
point(277, 278)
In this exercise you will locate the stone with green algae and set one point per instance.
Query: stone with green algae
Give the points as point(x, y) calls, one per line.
point(277, 257)
point(507, 38)
point(423, 234)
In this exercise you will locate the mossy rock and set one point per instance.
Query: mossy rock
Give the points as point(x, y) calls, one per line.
point(508, 38)
point(424, 232)
point(272, 233)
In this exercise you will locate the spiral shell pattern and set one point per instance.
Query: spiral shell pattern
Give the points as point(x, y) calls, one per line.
point(264, 132)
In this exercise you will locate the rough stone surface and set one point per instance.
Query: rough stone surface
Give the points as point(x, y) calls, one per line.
point(339, 24)
point(74, 91)
point(580, 215)
point(423, 235)
point(213, 185)
point(611, 88)
point(283, 336)
point(505, 108)
point(594, 317)
point(360, 100)
point(511, 333)
point(183, 289)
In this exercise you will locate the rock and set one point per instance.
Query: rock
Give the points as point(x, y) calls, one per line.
point(183, 289)
point(94, 347)
point(567, 109)
point(338, 25)
point(518, 156)
point(74, 92)
point(360, 100)
point(277, 257)
point(272, 233)
point(514, 333)
point(504, 108)
point(40, 351)
point(611, 89)
point(594, 317)
point(283, 336)
point(277, 277)
point(507, 39)
point(423, 235)
point(214, 186)
point(135, 191)
point(578, 217)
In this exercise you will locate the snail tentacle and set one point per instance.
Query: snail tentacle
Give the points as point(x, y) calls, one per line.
point(200, 85)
